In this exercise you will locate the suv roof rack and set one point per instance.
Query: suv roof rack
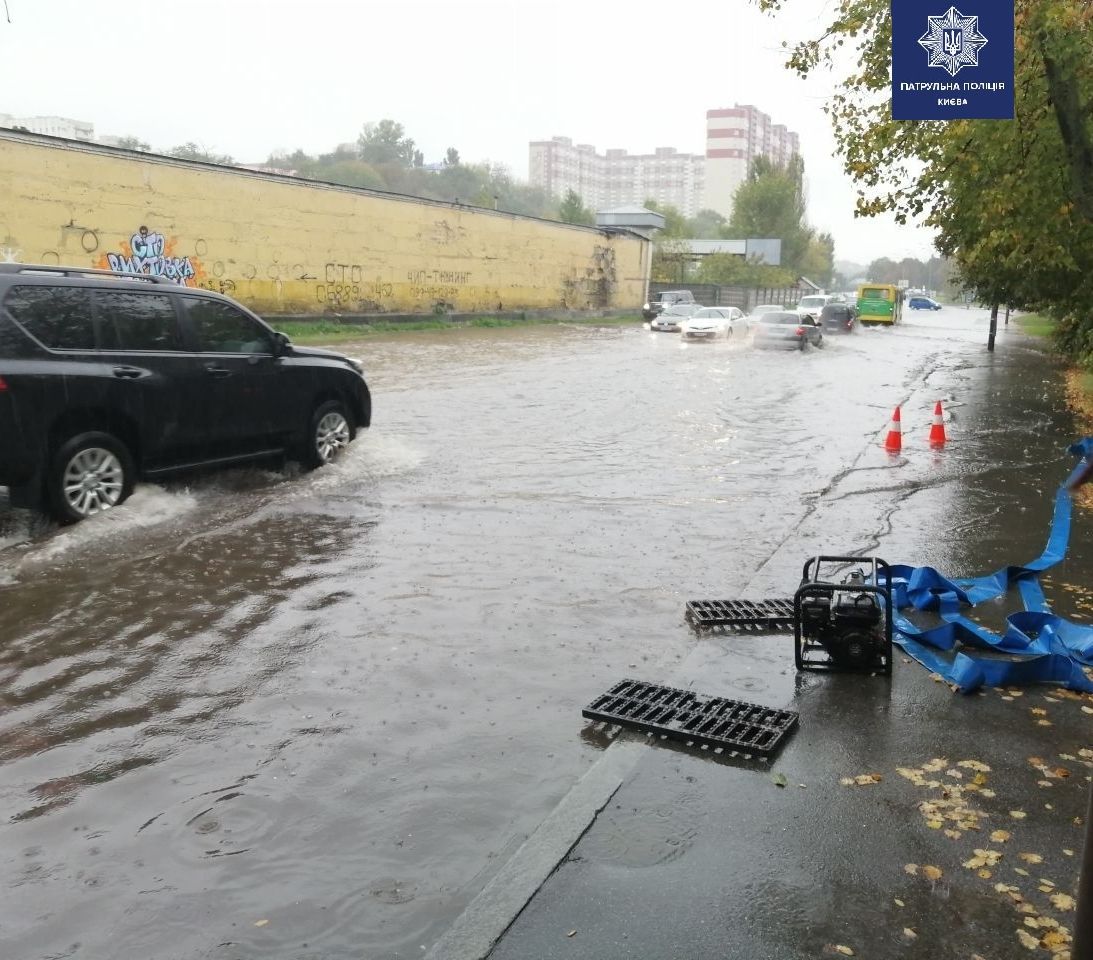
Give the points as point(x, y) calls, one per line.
point(41, 268)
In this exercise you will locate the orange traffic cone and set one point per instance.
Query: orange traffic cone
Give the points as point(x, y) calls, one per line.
point(937, 430)
point(893, 443)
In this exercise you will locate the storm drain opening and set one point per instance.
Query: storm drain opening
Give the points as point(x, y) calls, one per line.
point(758, 616)
point(718, 723)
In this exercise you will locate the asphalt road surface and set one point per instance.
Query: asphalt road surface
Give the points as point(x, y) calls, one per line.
point(272, 715)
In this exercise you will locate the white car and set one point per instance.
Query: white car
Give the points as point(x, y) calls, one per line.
point(709, 323)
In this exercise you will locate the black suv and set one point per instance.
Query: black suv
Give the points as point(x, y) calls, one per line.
point(108, 378)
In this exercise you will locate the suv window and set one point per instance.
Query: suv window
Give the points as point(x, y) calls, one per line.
point(136, 321)
point(220, 328)
point(57, 317)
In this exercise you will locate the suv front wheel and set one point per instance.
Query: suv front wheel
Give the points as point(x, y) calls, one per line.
point(329, 433)
point(88, 473)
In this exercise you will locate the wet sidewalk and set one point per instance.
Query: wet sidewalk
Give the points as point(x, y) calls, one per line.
point(913, 821)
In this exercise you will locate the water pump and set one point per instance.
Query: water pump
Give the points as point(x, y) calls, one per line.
point(844, 625)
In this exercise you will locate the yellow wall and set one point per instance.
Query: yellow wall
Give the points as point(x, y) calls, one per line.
point(284, 246)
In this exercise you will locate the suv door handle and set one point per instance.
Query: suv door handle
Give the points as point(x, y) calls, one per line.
point(215, 371)
point(128, 373)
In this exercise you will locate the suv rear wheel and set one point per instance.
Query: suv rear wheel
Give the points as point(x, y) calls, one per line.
point(88, 473)
point(329, 433)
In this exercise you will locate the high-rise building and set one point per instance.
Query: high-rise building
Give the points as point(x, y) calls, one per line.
point(51, 126)
point(734, 137)
point(617, 178)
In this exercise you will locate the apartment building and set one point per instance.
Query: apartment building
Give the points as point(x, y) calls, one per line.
point(689, 182)
point(617, 177)
point(734, 137)
point(51, 126)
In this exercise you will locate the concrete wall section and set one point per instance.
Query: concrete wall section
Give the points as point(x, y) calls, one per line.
point(286, 246)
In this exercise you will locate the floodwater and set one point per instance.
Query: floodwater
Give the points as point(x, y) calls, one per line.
point(274, 715)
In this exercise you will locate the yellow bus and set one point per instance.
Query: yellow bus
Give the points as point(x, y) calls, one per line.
point(879, 303)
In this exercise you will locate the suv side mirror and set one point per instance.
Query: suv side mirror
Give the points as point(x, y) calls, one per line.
point(281, 343)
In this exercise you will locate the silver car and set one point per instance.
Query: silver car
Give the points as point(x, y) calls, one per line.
point(673, 316)
point(787, 329)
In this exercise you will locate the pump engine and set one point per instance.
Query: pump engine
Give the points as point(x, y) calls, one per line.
point(844, 625)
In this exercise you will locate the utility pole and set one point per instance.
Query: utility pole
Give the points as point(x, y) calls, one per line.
point(994, 328)
point(1007, 314)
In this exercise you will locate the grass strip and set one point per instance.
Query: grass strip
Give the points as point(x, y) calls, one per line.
point(1036, 324)
point(330, 331)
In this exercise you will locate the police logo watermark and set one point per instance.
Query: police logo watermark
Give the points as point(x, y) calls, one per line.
point(952, 71)
point(953, 41)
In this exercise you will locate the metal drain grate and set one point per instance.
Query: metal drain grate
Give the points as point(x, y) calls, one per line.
point(732, 725)
point(754, 615)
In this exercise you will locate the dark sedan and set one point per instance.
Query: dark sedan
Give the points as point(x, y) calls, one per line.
point(837, 318)
point(787, 330)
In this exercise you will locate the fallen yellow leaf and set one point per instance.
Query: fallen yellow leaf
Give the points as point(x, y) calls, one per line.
point(984, 874)
point(931, 872)
point(1020, 870)
point(260, 923)
point(1000, 836)
point(1030, 857)
point(911, 868)
point(1068, 852)
point(1043, 723)
point(989, 794)
point(909, 933)
point(938, 764)
point(1039, 711)
point(844, 950)
point(1055, 938)
point(1018, 814)
point(974, 765)
point(899, 903)
point(953, 834)
point(1028, 940)
point(1062, 901)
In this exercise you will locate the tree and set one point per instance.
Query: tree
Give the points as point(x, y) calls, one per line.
point(771, 204)
point(707, 225)
point(675, 224)
point(1012, 203)
point(133, 143)
point(386, 143)
point(191, 151)
point(732, 270)
point(451, 158)
point(573, 210)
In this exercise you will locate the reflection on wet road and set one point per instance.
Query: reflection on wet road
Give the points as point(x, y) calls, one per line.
point(278, 715)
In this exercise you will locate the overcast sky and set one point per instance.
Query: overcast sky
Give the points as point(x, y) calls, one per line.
point(247, 77)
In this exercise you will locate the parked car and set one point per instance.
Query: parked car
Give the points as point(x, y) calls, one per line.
point(923, 303)
point(106, 379)
point(837, 318)
point(666, 298)
point(669, 321)
point(758, 311)
point(712, 322)
point(788, 329)
point(813, 305)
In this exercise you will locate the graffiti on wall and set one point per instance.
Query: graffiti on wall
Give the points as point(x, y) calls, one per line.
point(153, 255)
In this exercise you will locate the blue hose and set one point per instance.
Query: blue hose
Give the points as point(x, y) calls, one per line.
point(1037, 646)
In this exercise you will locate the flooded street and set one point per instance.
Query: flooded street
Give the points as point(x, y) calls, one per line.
point(267, 714)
